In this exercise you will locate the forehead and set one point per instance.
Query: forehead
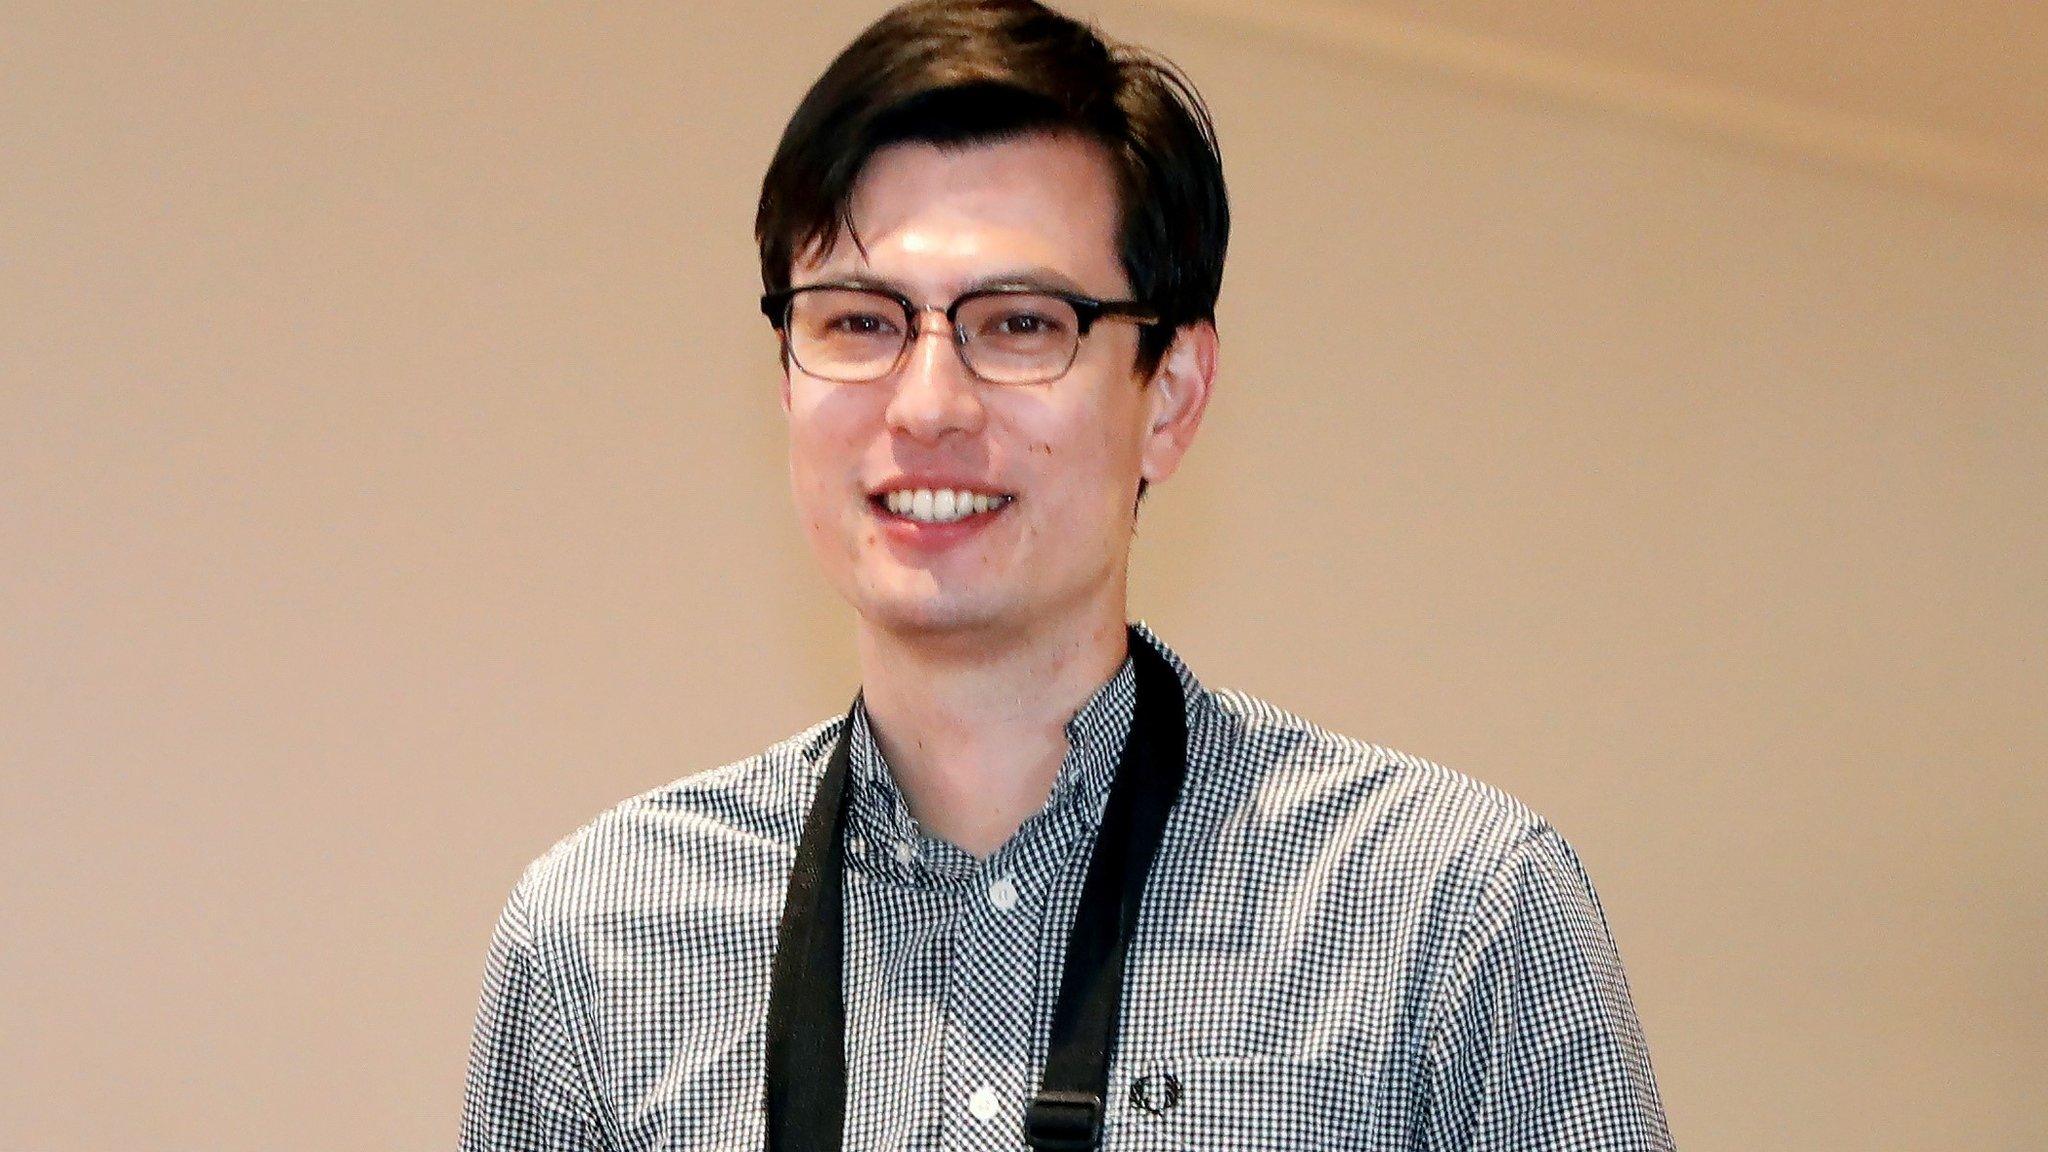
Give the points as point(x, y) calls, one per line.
point(944, 218)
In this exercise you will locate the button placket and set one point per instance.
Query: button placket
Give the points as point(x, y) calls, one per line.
point(990, 1007)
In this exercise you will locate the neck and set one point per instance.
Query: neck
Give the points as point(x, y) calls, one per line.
point(975, 733)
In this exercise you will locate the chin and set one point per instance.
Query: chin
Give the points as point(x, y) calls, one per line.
point(930, 619)
point(927, 614)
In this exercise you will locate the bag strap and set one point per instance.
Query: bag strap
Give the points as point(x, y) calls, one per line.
point(806, 1091)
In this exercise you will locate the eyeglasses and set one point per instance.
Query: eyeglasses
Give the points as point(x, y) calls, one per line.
point(1003, 335)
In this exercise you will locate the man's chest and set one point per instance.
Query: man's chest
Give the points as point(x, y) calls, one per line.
point(1252, 1017)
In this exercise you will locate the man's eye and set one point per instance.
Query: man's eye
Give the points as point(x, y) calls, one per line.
point(1024, 324)
point(860, 324)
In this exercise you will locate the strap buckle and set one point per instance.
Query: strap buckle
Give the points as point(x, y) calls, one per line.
point(1064, 1121)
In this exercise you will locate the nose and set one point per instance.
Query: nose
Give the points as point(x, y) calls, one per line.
point(935, 394)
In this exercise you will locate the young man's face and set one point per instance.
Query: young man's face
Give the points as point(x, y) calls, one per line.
point(1061, 460)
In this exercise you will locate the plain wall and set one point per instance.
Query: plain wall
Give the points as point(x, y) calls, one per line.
point(391, 478)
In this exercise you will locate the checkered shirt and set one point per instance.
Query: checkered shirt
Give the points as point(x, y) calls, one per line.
point(1341, 946)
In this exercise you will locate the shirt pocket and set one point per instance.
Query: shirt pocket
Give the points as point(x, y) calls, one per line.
point(1241, 1105)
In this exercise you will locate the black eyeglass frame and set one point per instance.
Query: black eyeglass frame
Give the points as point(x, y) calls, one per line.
point(1087, 310)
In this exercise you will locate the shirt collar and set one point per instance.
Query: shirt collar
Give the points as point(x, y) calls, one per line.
point(1095, 742)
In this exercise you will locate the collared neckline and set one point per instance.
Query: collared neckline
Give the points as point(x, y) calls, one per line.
point(880, 823)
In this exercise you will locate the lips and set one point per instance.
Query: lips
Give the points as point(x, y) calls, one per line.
point(940, 505)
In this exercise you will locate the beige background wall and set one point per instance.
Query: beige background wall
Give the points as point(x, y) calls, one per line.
point(390, 478)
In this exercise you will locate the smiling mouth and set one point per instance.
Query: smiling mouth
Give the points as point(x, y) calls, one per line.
point(939, 505)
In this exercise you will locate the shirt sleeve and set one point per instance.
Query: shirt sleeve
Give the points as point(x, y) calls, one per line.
point(526, 1091)
point(1535, 1044)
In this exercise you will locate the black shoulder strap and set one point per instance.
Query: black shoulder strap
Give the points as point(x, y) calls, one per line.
point(806, 1013)
point(1067, 1114)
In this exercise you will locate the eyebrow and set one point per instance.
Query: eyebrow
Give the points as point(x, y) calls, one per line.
point(1034, 278)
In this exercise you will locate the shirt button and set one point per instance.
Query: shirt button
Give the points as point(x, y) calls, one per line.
point(856, 846)
point(1003, 894)
point(984, 1104)
point(904, 852)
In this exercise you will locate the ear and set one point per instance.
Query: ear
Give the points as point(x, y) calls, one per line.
point(1176, 396)
point(782, 362)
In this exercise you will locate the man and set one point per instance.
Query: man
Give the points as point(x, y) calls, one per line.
point(1040, 886)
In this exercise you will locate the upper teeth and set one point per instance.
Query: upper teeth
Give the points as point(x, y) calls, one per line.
point(940, 505)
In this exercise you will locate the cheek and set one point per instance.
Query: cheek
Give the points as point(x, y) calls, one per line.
point(1083, 458)
point(824, 436)
point(830, 432)
point(811, 470)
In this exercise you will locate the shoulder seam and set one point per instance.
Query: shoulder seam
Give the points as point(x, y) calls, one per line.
point(1461, 933)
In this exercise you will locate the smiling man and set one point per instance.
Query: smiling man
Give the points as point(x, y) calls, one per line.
point(1039, 886)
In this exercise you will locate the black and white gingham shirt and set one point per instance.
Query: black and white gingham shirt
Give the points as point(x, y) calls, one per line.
point(1341, 947)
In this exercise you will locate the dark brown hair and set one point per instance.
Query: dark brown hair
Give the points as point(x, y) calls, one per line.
point(964, 72)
